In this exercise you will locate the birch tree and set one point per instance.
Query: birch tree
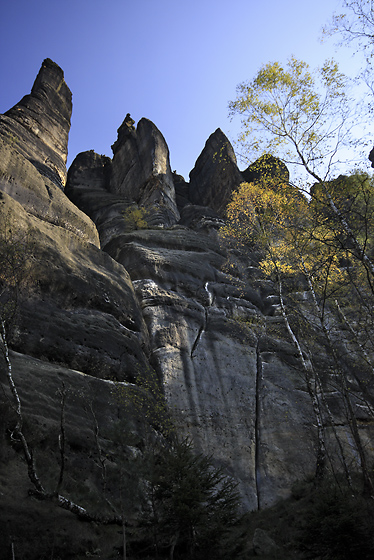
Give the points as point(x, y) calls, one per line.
point(295, 242)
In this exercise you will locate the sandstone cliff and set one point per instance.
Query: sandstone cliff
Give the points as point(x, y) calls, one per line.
point(110, 297)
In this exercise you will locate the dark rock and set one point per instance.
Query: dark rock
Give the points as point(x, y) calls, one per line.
point(33, 151)
point(215, 175)
point(268, 168)
point(39, 196)
point(88, 186)
point(38, 126)
point(41, 529)
point(371, 157)
point(125, 131)
point(73, 312)
point(200, 218)
point(141, 171)
point(181, 191)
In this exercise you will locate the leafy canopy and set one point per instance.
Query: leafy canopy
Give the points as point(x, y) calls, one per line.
point(355, 24)
point(301, 115)
point(292, 234)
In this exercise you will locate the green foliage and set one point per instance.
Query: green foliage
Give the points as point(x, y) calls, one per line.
point(147, 401)
point(192, 504)
point(291, 111)
point(135, 217)
point(337, 526)
point(354, 197)
point(266, 215)
point(11, 139)
point(309, 243)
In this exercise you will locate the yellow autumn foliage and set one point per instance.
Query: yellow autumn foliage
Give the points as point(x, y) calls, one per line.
point(276, 220)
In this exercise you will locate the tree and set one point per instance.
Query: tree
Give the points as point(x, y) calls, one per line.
point(265, 215)
point(306, 122)
point(192, 504)
point(295, 242)
point(356, 25)
point(304, 117)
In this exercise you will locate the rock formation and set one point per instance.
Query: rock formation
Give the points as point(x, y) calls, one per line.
point(39, 124)
point(266, 167)
point(215, 174)
point(113, 296)
point(141, 170)
point(371, 157)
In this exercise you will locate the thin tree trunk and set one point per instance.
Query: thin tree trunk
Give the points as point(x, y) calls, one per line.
point(18, 435)
point(173, 544)
point(321, 451)
point(62, 440)
point(17, 432)
point(124, 553)
point(368, 489)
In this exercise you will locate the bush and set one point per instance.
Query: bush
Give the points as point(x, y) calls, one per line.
point(338, 526)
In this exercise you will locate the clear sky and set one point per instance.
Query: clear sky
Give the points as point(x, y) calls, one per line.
point(174, 62)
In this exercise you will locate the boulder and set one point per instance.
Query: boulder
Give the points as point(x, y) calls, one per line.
point(215, 175)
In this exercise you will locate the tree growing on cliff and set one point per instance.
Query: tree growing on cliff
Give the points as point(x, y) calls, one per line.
point(266, 216)
point(303, 116)
point(297, 239)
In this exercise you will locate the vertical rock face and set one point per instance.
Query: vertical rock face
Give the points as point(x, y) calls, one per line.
point(215, 175)
point(163, 300)
point(141, 170)
point(74, 286)
point(39, 124)
point(33, 151)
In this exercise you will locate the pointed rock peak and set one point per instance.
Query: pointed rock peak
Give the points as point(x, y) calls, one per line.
point(266, 167)
point(126, 130)
point(153, 149)
point(141, 170)
point(40, 122)
point(220, 137)
point(51, 77)
point(216, 174)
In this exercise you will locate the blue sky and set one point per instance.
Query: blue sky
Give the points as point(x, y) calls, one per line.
point(174, 62)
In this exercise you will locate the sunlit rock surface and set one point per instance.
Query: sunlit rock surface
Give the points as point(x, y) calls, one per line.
point(39, 124)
